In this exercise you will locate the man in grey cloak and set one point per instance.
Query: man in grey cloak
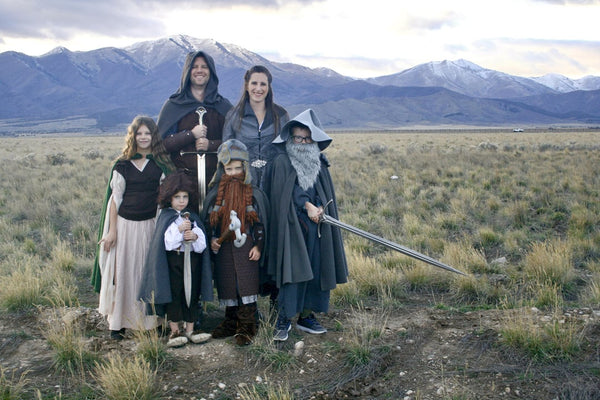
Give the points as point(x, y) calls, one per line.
point(304, 265)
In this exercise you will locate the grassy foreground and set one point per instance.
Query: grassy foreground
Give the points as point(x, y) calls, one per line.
point(518, 213)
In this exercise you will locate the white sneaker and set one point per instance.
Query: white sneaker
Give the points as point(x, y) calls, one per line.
point(177, 340)
point(199, 337)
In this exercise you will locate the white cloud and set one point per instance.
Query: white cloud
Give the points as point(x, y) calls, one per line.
point(525, 37)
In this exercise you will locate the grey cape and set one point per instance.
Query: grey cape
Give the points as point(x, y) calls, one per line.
point(155, 286)
point(288, 260)
point(182, 102)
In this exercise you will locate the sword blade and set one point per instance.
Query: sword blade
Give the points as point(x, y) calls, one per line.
point(389, 244)
point(187, 273)
point(201, 165)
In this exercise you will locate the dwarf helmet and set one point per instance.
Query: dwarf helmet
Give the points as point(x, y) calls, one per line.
point(228, 151)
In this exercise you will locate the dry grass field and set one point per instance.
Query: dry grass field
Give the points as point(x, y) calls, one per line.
point(517, 212)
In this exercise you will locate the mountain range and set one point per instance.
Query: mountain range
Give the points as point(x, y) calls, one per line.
point(102, 90)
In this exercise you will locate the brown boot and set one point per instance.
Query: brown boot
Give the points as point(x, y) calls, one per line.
point(246, 327)
point(229, 325)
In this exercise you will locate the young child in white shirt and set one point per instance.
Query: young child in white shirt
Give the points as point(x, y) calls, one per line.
point(179, 273)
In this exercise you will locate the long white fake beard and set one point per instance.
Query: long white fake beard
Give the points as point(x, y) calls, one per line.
point(306, 160)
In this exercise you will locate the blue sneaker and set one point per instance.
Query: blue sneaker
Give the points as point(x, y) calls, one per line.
point(282, 327)
point(310, 325)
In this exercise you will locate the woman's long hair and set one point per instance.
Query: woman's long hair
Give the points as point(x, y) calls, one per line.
point(269, 104)
point(157, 148)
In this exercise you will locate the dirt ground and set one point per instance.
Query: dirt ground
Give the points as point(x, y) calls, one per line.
point(425, 352)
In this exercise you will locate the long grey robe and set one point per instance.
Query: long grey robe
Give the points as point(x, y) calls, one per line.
point(288, 260)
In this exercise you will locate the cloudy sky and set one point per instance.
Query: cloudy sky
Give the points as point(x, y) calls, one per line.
point(360, 38)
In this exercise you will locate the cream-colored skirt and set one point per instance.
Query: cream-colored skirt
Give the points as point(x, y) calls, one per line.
point(122, 275)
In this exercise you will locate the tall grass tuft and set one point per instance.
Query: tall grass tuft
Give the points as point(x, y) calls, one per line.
point(130, 378)
point(363, 332)
point(543, 341)
point(549, 263)
point(67, 341)
point(347, 294)
point(60, 287)
point(465, 257)
point(583, 221)
point(591, 294)
point(150, 347)
point(12, 388)
point(29, 285)
point(24, 288)
point(546, 295)
point(62, 257)
point(471, 290)
point(422, 278)
point(266, 391)
point(373, 279)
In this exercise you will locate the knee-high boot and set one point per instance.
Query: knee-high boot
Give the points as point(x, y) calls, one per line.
point(246, 326)
point(228, 326)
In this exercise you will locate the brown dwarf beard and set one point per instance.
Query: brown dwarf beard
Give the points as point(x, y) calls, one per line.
point(233, 194)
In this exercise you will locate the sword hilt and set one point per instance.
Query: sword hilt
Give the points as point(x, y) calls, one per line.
point(322, 217)
point(186, 215)
point(200, 111)
point(196, 153)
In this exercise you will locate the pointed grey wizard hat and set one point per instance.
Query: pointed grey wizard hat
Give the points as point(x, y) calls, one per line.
point(309, 119)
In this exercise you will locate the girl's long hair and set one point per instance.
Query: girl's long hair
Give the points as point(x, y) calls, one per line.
point(269, 104)
point(157, 148)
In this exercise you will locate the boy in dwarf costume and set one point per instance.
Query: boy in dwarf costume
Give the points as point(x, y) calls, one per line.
point(236, 265)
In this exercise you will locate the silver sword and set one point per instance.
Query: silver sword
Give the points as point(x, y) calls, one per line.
point(324, 218)
point(187, 265)
point(201, 163)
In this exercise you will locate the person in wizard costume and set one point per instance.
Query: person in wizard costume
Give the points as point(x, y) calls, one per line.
point(237, 263)
point(306, 266)
point(127, 223)
point(175, 279)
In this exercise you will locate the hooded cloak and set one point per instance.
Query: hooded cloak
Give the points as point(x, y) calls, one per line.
point(182, 102)
point(288, 259)
point(155, 289)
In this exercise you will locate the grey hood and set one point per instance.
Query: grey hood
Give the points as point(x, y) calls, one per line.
point(183, 102)
point(309, 119)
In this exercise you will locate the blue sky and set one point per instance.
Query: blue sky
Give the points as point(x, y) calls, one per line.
point(365, 38)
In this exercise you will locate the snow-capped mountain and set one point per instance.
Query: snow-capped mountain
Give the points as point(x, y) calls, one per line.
point(562, 84)
point(466, 78)
point(102, 89)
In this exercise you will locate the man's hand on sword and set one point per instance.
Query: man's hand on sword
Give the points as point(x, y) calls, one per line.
point(199, 131)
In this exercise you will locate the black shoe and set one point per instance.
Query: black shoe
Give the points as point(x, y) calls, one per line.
point(310, 325)
point(162, 331)
point(118, 335)
point(282, 328)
